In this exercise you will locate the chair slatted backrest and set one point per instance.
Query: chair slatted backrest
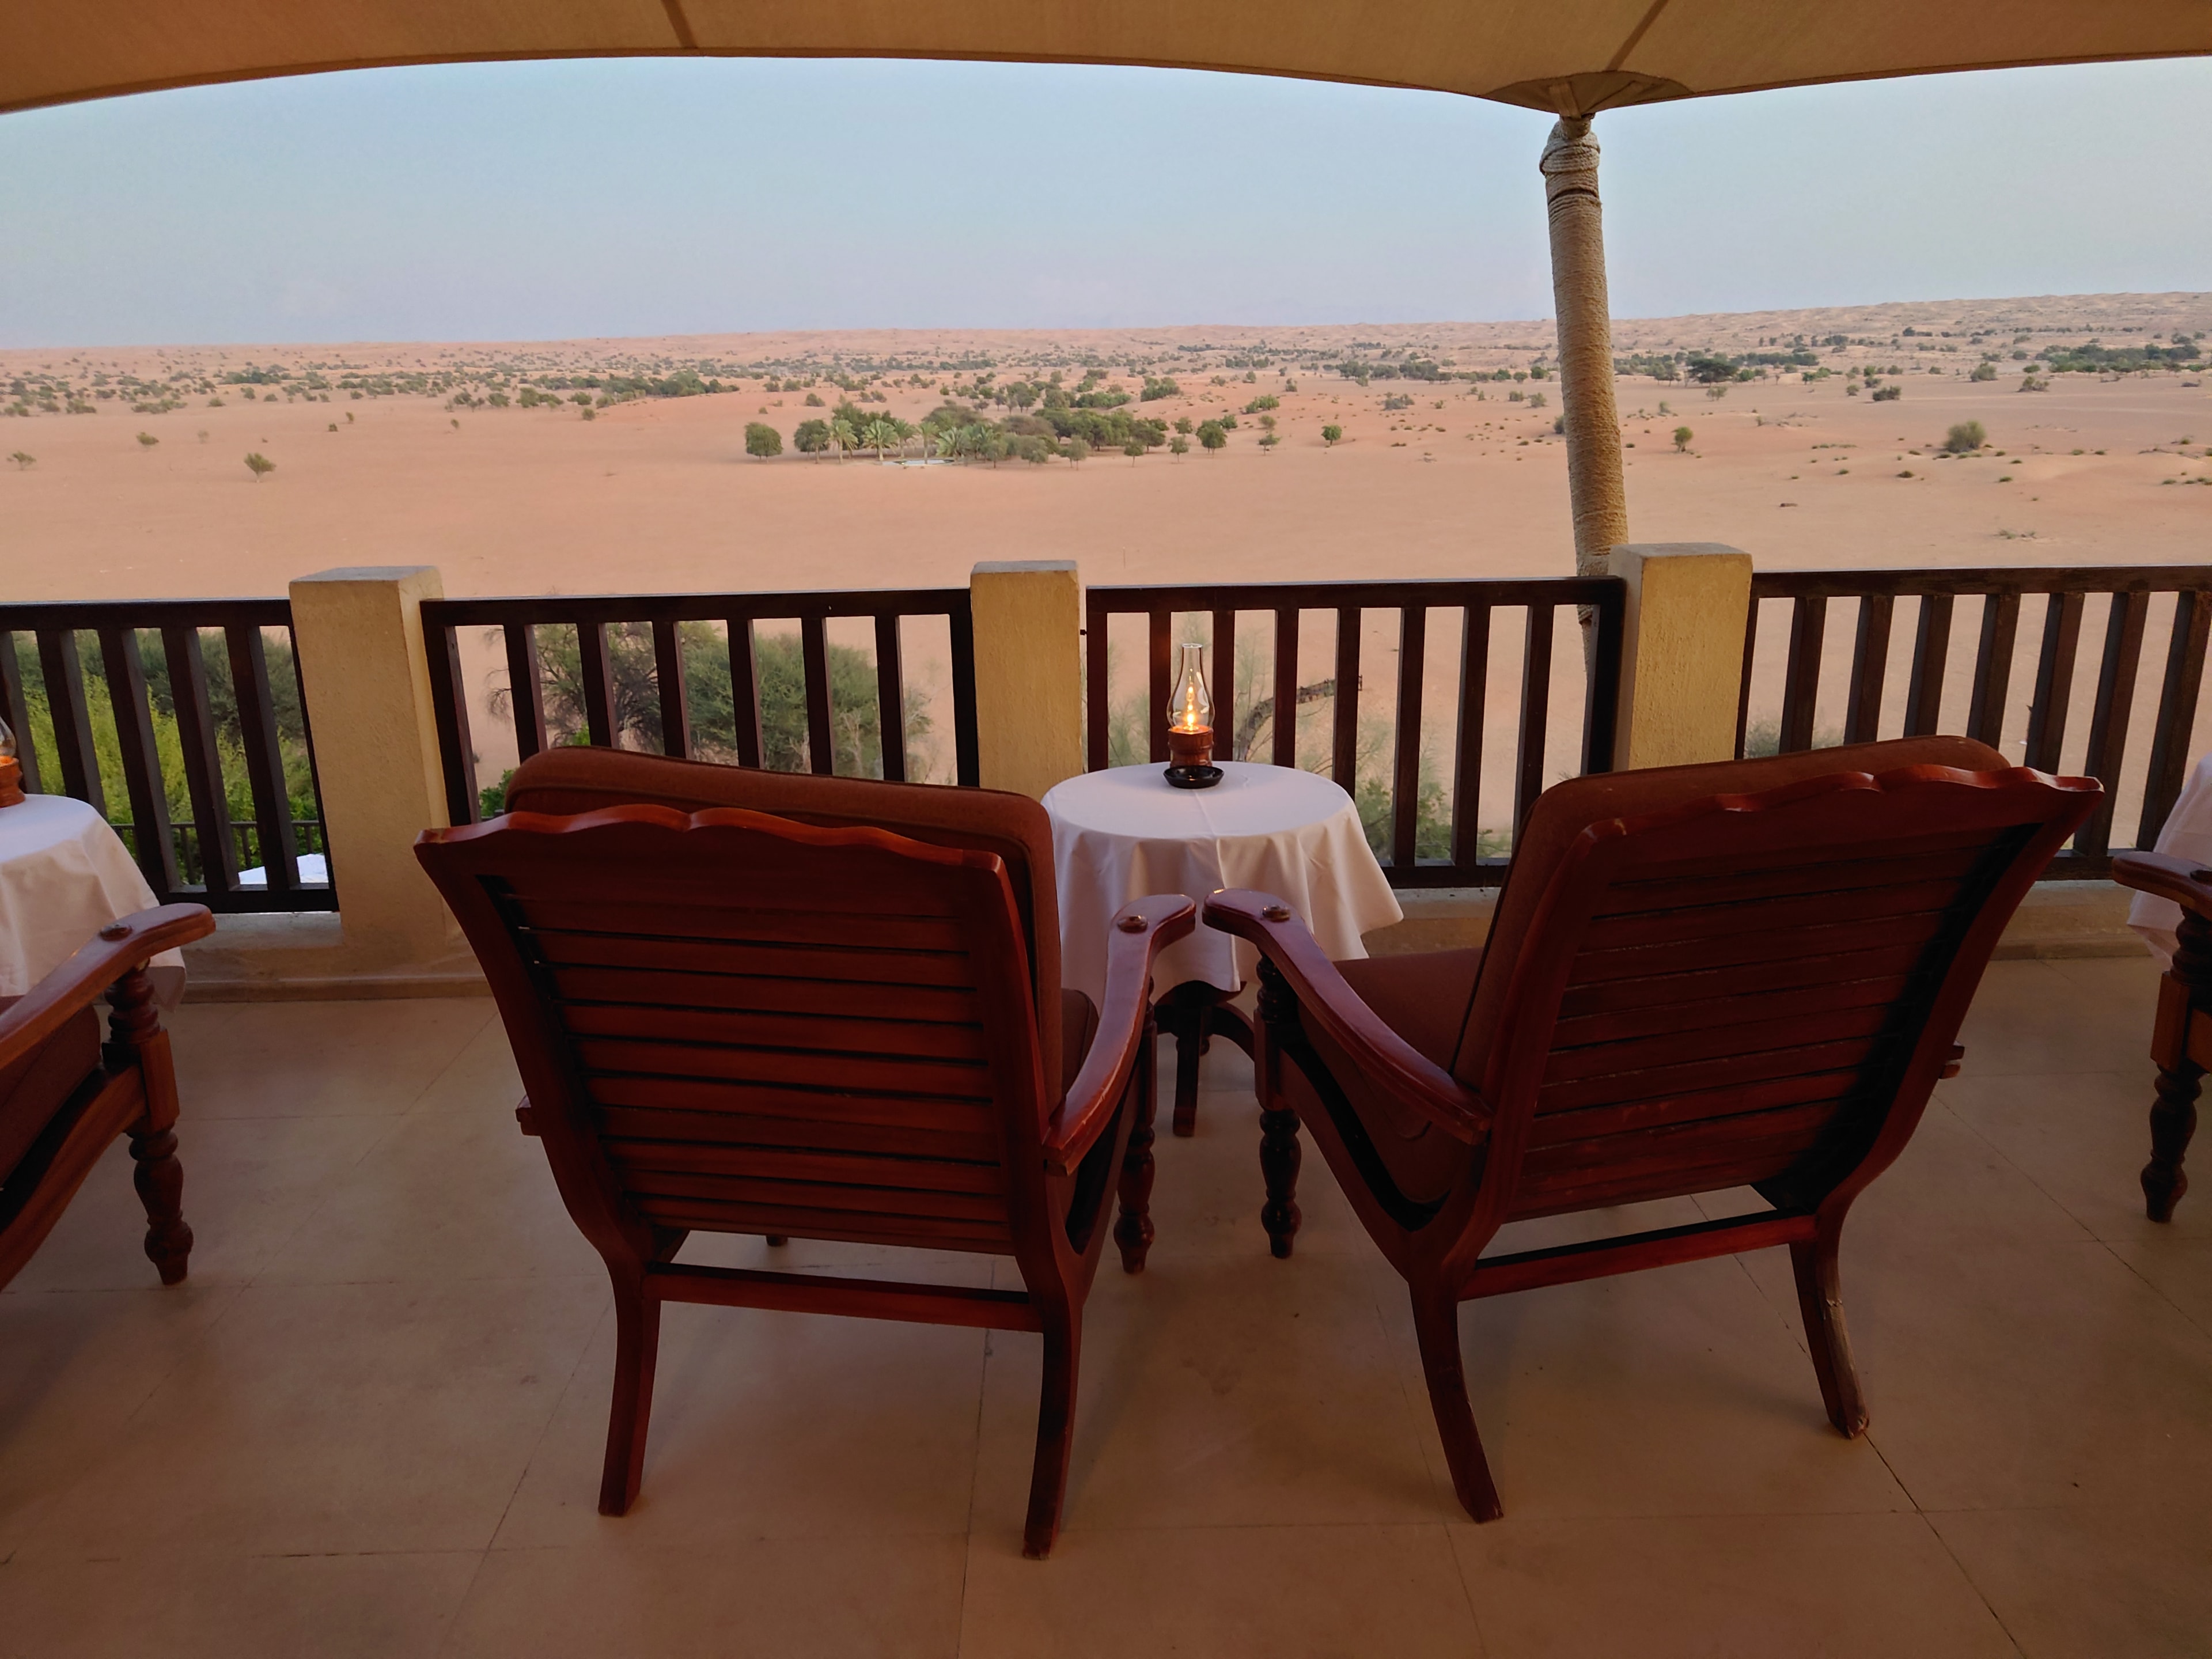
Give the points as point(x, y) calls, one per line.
point(729, 1022)
point(1746, 990)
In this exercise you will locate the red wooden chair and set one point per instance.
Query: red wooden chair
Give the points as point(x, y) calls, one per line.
point(733, 1022)
point(64, 1096)
point(1699, 978)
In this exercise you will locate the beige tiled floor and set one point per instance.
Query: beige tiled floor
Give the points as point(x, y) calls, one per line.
point(371, 1422)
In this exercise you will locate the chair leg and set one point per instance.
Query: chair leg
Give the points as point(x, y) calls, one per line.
point(1063, 1350)
point(637, 1345)
point(1132, 1229)
point(1820, 1302)
point(1436, 1324)
point(159, 1180)
point(1279, 1158)
point(2172, 1122)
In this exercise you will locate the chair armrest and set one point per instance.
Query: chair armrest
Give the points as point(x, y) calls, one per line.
point(1141, 930)
point(119, 947)
point(2187, 882)
point(1389, 1061)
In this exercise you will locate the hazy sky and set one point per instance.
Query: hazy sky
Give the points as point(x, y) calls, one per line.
point(529, 201)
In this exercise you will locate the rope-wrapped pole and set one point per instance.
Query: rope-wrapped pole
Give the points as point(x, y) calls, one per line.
point(1595, 482)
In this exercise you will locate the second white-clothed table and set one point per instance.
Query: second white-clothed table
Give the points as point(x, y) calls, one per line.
point(1121, 834)
point(64, 875)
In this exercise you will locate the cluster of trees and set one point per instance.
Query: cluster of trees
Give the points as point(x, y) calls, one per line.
point(962, 432)
point(856, 730)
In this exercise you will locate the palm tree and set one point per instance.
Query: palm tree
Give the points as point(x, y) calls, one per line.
point(879, 435)
point(842, 435)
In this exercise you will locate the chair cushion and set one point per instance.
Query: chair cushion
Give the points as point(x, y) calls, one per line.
point(1423, 997)
point(37, 1085)
point(567, 781)
point(1565, 810)
point(1078, 1025)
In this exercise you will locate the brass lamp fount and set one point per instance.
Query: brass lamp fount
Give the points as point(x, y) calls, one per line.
point(1190, 724)
point(11, 770)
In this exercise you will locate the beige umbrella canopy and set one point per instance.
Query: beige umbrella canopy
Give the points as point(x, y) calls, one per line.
point(1569, 57)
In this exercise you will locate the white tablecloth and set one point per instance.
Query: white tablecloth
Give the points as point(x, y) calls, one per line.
point(1122, 834)
point(2187, 834)
point(64, 875)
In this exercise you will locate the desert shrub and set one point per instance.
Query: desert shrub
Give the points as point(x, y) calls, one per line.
point(1536, 400)
point(260, 465)
point(1965, 438)
point(2033, 383)
point(762, 441)
point(147, 440)
point(1155, 390)
point(24, 461)
point(1682, 436)
point(1332, 435)
point(814, 400)
point(1400, 400)
point(1265, 401)
point(1986, 370)
point(1887, 394)
point(1269, 439)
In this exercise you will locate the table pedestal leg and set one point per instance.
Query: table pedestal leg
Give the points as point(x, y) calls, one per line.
point(1193, 1013)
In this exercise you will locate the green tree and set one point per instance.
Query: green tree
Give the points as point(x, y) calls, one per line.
point(1184, 427)
point(762, 441)
point(1178, 445)
point(1076, 450)
point(843, 435)
point(260, 465)
point(1332, 435)
point(1211, 437)
point(811, 437)
point(1682, 436)
point(1134, 449)
point(880, 436)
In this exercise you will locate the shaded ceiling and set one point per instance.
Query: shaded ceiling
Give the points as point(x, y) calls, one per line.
point(1571, 57)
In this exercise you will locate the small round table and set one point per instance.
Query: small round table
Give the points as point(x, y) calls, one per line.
point(1121, 834)
point(64, 875)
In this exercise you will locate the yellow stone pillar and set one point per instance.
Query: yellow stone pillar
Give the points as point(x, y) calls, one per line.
point(1029, 673)
point(358, 634)
point(1682, 654)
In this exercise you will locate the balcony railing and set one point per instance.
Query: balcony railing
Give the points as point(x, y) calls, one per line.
point(629, 671)
point(1421, 785)
point(2033, 715)
point(169, 708)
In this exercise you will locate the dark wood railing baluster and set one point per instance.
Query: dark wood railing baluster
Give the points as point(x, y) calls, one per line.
point(274, 845)
point(1406, 783)
point(1225, 681)
point(1159, 665)
point(1601, 711)
point(821, 736)
point(213, 839)
point(328, 893)
point(449, 713)
point(2108, 724)
point(597, 675)
point(1800, 680)
point(1343, 747)
point(744, 691)
point(1098, 734)
point(153, 842)
point(668, 684)
point(1993, 668)
point(15, 709)
point(63, 669)
point(1870, 668)
point(526, 687)
point(2054, 680)
point(967, 746)
point(891, 699)
point(1536, 712)
point(1285, 716)
point(1931, 649)
point(1467, 773)
point(2177, 711)
point(1743, 693)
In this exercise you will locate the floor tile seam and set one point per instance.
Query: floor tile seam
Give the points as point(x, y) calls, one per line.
point(1972, 1583)
point(545, 1427)
point(339, 1173)
point(443, 1643)
point(154, 1389)
point(2013, 1163)
point(2156, 1289)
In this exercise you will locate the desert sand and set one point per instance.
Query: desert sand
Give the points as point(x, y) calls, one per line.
point(657, 494)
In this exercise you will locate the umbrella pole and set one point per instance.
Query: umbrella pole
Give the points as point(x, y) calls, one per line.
point(1595, 483)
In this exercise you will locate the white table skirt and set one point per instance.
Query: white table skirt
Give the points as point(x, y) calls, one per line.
point(2187, 834)
point(64, 875)
point(1122, 834)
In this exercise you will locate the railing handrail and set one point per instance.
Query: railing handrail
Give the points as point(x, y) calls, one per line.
point(2065, 588)
point(1603, 597)
point(519, 617)
point(54, 626)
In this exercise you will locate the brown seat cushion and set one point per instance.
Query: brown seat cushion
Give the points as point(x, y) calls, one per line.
point(568, 780)
point(1423, 997)
point(37, 1085)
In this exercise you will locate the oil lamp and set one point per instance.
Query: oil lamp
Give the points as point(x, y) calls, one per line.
point(1190, 724)
point(11, 770)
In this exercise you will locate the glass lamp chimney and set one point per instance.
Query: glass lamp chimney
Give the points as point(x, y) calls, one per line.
point(1191, 707)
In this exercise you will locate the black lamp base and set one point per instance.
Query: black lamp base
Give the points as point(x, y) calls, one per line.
point(1193, 777)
